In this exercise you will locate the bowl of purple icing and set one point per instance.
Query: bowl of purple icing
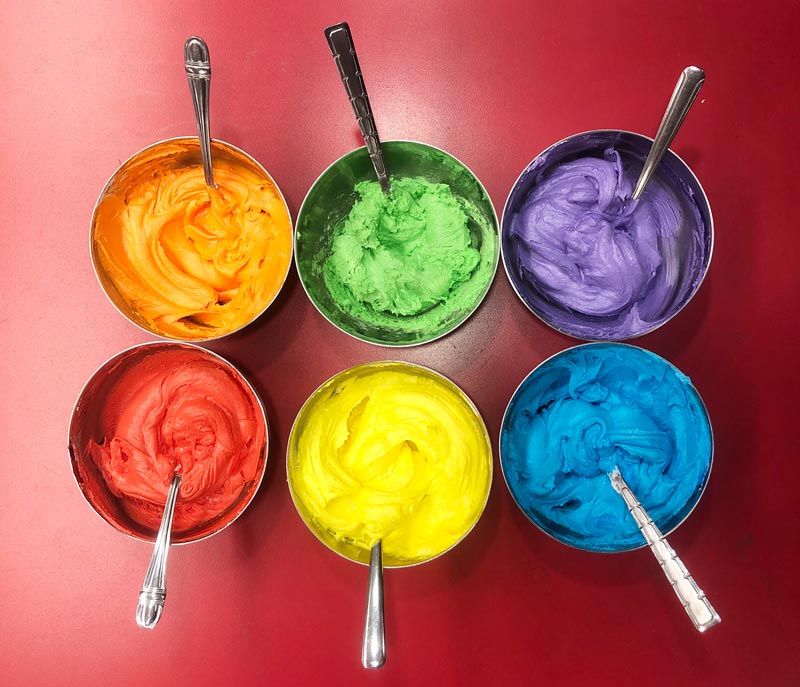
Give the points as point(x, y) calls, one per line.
point(588, 260)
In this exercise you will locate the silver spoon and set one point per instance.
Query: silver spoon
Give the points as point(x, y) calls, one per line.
point(344, 54)
point(698, 607)
point(198, 72)
point(686, 90)
point(340, 41)
point(373, 647)
point(154, 589)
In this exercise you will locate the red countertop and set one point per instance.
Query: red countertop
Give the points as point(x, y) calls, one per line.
point(87, 84)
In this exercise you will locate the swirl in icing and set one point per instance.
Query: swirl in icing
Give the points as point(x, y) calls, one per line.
point(592, 408)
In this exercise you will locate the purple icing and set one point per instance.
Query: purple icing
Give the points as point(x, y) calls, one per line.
point(587, 259)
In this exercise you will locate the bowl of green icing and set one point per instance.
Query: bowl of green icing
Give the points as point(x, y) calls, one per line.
point(399, 269)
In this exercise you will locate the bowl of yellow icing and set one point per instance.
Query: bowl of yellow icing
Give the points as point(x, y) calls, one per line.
point(389, 451)
point(184, 261)
point(400, 269)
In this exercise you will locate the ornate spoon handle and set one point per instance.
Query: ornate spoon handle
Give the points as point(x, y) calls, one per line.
point(686, 90)
point(198, 71)
point(154, 589)
point(340, 41)
point(698, 607)
point(373, 648)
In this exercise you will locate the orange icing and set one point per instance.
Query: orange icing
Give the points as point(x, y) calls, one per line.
point(183, 260)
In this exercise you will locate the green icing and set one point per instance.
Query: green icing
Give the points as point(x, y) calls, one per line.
point(407, 261)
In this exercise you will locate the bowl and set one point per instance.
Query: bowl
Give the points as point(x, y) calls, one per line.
point(183, 261)
point(156, 406)
point(389, 451)
point(589, 409)
point(588, 261)
point(402, 271)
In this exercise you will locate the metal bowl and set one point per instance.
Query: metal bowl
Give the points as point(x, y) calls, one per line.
point(328, 203)
point(92, 412)
point(522, 450)
point(695, 244)
point(294, 457)
point(167, 155)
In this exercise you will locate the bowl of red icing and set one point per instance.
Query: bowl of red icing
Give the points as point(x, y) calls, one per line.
point(160, 408)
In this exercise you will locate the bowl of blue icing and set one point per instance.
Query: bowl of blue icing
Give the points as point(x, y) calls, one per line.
point(587, 410)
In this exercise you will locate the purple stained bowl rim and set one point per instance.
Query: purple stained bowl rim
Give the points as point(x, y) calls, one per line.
point(522, 185)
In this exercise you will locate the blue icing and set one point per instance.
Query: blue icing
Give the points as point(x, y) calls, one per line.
point(591, 408)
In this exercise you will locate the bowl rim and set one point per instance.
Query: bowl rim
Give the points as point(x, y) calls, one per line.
point(427, 370)
point(695, 289)
point(120, 357)
point(565, 351)
point(96, 268)
point(490, 281)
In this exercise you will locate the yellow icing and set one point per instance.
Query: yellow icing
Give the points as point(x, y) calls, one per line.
point(390, 452)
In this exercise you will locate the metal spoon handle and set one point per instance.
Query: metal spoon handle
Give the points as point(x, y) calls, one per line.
point(154, 589)
point(686, 90)
point(343, 50)
point(198, 72)
point(373, 648)
point(698, 607)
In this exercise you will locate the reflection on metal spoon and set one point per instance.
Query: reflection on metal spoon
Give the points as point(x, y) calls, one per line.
point(154, 589)
point(698, 607)
point(373, 648)
point(198, 71)
point(343, 50)
point(686, 90)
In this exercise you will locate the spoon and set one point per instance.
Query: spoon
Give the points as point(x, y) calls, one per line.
point(343, 50)
point(154, 588)
point(198, 72)
point(340, 41)
point(373, 647)
point(686, 90)
point(698, 607)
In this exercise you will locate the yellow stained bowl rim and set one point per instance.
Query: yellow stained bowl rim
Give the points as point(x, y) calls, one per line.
point(308, 518)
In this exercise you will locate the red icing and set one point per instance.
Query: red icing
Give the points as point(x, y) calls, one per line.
point(178, 411)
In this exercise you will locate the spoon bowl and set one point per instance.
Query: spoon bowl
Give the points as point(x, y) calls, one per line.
point(387, 412)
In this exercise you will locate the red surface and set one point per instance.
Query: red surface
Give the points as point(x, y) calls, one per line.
point(85, 85)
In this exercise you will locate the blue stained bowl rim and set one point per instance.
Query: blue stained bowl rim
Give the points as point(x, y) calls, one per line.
point(542, 526)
